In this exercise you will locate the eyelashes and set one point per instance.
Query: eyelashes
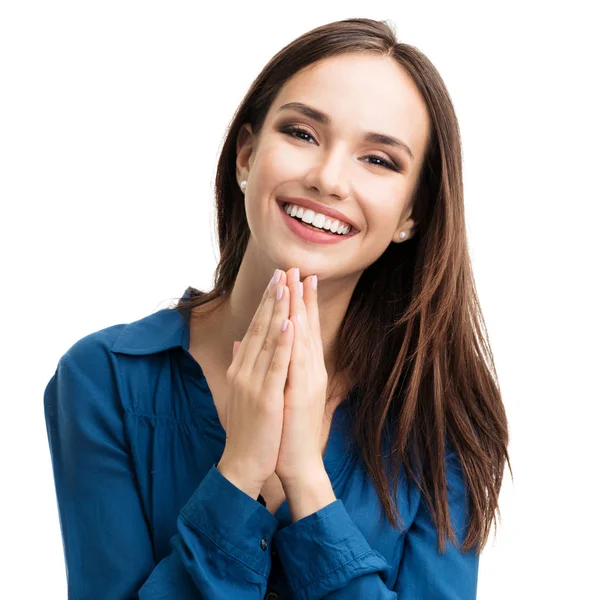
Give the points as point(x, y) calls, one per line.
point(294, 130)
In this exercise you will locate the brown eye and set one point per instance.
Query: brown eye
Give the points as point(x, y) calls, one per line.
point(296, 132)
point(292, 131)
point(384, 163)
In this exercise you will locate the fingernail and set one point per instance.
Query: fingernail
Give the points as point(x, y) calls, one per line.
point(284, 325)
point(298, 320)
point(297, 274)
point(279, 292)
point(275, 278)
point(314, 282)
point(301, 290)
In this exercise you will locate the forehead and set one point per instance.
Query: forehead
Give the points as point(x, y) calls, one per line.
point(363, 92)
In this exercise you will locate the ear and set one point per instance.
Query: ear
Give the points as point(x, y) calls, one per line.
point(408, 227)
point(244, 145)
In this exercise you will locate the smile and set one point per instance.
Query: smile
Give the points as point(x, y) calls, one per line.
point(308, 232)
point(317, 220)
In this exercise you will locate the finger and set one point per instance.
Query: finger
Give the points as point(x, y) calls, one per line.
point(298, 306)
point(298, 357)
point(277, 373)
point(280, 314)
point(263, 312)
point(312, 307)
point(296, 302)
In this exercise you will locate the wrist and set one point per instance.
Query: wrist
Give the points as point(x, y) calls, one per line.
point(308, 477)
point(308, 495)
point(233, 475)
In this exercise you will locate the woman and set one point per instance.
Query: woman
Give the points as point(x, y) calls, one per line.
point(360, 359)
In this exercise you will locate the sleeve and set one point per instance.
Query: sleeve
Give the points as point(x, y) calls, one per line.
point(106, 539)
point(324, 555)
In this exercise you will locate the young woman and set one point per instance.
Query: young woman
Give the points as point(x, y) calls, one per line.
point(326, 422)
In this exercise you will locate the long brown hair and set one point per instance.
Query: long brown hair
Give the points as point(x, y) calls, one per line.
point(413, 336)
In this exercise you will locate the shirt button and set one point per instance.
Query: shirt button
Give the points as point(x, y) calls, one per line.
point(263, 543)
point(272, 596)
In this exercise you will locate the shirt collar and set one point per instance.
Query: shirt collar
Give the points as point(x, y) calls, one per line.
point(158, 332)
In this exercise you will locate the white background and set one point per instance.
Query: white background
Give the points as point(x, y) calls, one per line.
point(111, 120)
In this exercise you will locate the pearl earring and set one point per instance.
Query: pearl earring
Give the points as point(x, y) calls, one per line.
point(243, 185)
point(402, 235)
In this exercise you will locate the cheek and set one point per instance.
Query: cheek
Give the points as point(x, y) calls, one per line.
point(382, 215)
point(273, 167)
point(275, 164)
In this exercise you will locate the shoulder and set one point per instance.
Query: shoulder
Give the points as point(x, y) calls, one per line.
point(128, 366)
point(84, 383)
point(88, 363)
point(94, 349)
point(150, 335)
point(100, 359)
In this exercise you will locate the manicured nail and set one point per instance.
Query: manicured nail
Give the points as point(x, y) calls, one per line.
point(279, 292)
point(314, 282)
point(301, 289)
point(284, 325)
point(296, 274)
point(298, 320)
point(275, 278)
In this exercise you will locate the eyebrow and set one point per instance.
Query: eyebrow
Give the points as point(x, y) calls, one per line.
point(320, 117)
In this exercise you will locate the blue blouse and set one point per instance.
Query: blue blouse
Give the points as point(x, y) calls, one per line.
point(134, 440)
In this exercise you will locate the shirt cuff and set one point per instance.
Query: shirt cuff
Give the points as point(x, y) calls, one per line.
point(324, 551)
point(233, 520)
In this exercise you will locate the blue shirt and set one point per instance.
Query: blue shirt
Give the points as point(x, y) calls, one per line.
point(135, 438)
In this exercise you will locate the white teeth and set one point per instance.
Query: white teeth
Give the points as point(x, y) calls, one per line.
point(319, 220)
point(308, 216)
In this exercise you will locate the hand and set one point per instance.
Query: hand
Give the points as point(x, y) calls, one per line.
point(255, 402)
point(300, 453)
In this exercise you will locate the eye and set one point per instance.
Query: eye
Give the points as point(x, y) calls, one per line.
point(296, 132)
point(384, 163)
point(292, 131)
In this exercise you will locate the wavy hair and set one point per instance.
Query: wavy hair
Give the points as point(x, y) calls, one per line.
point(413, 337)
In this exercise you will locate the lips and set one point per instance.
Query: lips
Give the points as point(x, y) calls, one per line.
point(318, 208)
point(311, 235)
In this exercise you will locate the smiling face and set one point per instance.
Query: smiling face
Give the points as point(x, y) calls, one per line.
point(318, 149)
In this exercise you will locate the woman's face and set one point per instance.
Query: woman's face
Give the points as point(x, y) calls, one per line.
point(328, 160)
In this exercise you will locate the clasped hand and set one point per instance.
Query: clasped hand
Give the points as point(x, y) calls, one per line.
point(277, 388)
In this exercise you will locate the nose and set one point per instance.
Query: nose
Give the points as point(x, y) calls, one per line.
point(327, 175)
